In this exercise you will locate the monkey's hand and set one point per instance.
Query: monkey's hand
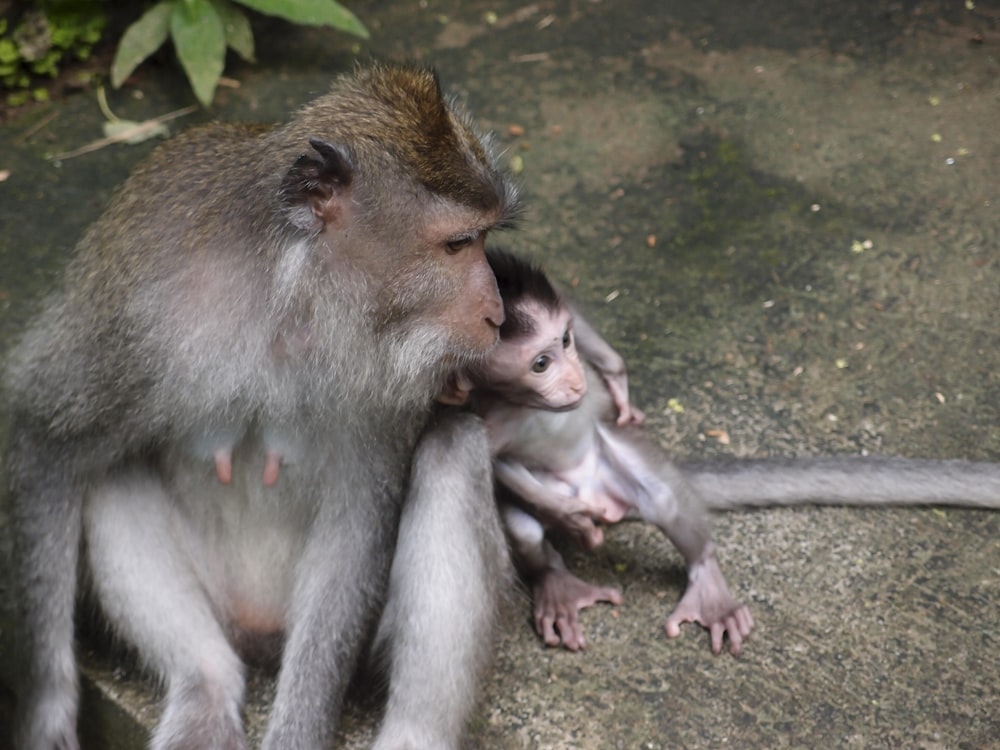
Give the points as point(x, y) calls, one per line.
point(611, 366)
point(559, 596)
point(555, 508)
point(617, 383)
point(709, 603)
point(578, 525)
point(456, 389)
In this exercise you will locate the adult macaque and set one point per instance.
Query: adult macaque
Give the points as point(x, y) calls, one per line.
point(550, 426)
point(255, 297)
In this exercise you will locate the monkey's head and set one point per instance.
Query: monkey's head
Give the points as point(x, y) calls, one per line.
point(395, 190)
point(536, 363)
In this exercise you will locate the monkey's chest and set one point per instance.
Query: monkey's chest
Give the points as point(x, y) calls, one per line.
point(564, 451)
point(246, 527)
point(554, 441)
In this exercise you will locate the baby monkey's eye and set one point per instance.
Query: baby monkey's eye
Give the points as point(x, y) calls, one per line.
point(541, 364)
point(567, 339)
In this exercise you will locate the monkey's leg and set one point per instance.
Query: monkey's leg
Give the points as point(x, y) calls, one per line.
point(679, 512)
point(557, 595)
point(339, 585)
point(662, 496)
point(450, 566)
point(149, 592)
point(46, 519)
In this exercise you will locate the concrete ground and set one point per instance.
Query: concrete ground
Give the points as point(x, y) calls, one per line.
point(786, 217)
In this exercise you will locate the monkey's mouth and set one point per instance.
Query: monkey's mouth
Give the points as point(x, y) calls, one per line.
point(570, 406)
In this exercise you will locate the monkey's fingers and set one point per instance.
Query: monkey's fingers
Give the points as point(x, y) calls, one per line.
point(686, 611)
point(673, 625)
point(559, 627)
point(559, 598)
point(571, 631)
point(546, 628)
point(585, 532)
point(738, 626)
point(718, 630)
point(595, 539)
point(609, 594)
point(630, 414)
point(627, 412)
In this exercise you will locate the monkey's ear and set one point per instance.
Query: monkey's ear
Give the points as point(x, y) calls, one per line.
point(314, 189)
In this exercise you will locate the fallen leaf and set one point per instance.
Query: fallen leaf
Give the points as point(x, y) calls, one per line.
point(722, 436)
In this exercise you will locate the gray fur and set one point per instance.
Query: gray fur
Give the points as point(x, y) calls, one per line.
point(844, 480)
point(261, 292)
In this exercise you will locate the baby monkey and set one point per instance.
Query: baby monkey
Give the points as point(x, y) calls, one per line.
point(568, 451)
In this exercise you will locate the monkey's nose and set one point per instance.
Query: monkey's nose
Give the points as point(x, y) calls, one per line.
point(496, 317)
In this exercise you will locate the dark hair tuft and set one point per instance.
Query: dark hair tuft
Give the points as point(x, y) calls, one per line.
point(520, 280)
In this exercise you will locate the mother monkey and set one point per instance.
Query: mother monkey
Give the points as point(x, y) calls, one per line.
point(292, 294)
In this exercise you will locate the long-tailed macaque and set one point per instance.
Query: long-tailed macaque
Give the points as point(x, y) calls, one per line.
point(558, 450)
point(295, 295)
point(567, 448)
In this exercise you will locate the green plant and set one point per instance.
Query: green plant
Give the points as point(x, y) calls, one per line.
point(201, 30)
point(43, 38)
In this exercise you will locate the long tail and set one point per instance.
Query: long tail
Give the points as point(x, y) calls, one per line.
point(844, 480)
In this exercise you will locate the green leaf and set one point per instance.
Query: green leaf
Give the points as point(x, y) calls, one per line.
point(8, 52)
point(140, 40)
point(239, 35)
point(200, 41)
point(311, 13)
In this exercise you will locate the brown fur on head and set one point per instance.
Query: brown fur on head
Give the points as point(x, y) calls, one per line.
point(433, 140)
point(393, 121)
point(519, 280)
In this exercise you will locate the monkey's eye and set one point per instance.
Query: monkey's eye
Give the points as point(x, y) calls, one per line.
point(541, 364)
point(457, 244)
point(567, 339)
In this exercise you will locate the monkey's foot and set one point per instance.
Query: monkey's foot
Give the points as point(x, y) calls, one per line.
point(559, 596)
point(709, 603)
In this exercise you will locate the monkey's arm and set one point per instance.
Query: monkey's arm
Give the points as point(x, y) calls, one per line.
point(662, 496)
point(558, 595)
point(609, 364)
point(562, 509)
